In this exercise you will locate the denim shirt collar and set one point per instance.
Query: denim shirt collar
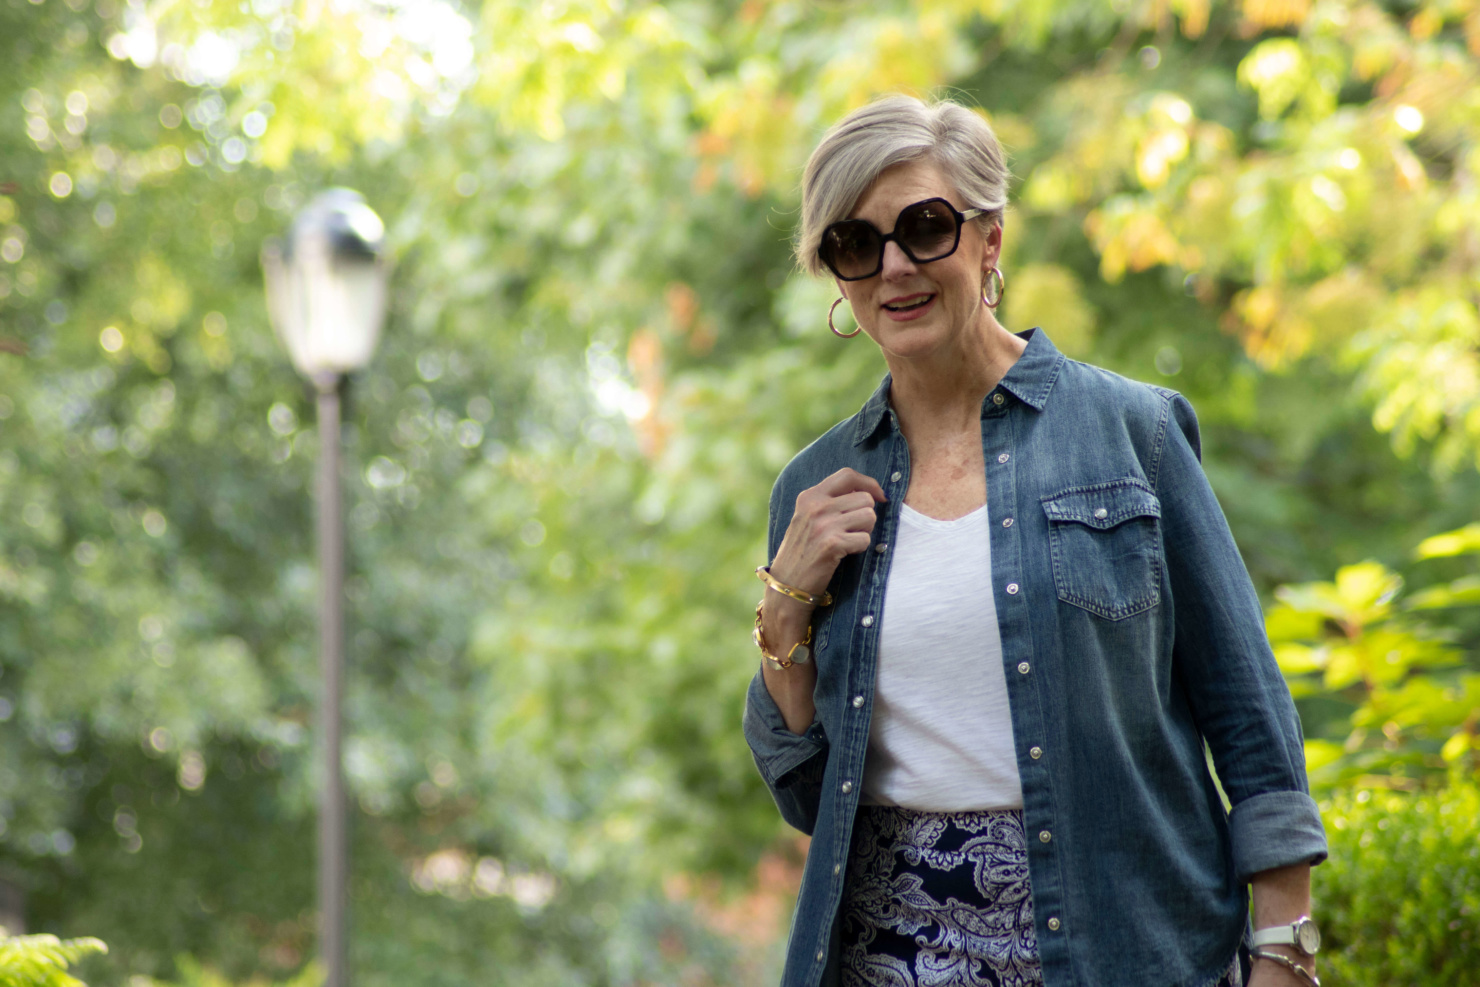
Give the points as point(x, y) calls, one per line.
point(1029, 380)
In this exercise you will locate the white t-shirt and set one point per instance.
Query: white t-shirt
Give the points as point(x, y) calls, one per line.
point(941, 735)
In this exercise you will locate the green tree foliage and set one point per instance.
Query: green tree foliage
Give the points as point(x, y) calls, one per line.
point(1406, 666)
point(42, 961)
point(193, 974)
point(598, 358)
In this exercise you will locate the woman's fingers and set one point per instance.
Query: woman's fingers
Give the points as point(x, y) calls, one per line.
point(832, 519)
point(862, 519)
point(849, 503)
point(848, 480)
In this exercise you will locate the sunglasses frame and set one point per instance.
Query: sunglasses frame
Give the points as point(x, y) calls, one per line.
point(884, 238)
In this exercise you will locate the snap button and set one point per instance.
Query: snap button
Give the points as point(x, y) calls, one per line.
point(1012, 589)
point(1002, 458)
point(858, 702)
point(1044, 836)
point(1007, 522)
point(1023, 667)
point(847, 787)
point(868, 620)
point(1101, 513)
point(820, 955)
point(881, 547)
point(998, 399)
point(1035, 752)
point(895, 478)
point(1053, 924)
point(837, 868)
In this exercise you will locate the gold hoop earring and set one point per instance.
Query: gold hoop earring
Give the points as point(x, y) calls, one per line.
point(992, 301)
point(840, 335)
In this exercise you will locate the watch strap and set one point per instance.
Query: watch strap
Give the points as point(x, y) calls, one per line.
point(1275, 935)
point(1303, 934)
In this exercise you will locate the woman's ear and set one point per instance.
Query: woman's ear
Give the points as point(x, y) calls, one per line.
point(991, 247)
point(841, 289)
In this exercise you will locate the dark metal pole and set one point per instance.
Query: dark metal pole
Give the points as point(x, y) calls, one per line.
point(333, 852)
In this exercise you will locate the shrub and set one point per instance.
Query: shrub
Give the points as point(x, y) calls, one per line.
point(1399, 900)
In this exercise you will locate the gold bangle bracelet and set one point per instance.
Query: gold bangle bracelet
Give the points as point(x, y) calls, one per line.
point(1299, 970)
point(763, 573)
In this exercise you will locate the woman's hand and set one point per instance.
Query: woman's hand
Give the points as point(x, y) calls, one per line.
point(832, 520)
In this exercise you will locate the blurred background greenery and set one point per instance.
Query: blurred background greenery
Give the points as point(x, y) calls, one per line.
point(598, 358)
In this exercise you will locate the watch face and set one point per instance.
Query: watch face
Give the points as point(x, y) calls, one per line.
point(1307, 936)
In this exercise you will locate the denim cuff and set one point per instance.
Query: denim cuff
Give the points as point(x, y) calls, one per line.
point(778, 752)
point(1275, 829)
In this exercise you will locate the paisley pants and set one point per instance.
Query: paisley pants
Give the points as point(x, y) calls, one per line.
point(936, 899)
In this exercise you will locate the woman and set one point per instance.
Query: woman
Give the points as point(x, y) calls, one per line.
point(1003, 614)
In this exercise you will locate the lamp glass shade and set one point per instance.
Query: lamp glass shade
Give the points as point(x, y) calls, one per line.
point(326, 285)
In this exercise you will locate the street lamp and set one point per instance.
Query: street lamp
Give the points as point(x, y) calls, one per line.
point(326, 289)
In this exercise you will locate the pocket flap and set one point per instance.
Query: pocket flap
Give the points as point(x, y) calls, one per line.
point(1103, 505)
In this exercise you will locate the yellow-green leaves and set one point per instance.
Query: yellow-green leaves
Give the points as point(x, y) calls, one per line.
point(1360, 595)
point(42, 960)
point(1459, 542)
point(1278, 71)
point(1050, 295)
point(1354, 639)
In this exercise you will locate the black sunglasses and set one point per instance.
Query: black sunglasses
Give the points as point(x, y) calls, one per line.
point(930, 230)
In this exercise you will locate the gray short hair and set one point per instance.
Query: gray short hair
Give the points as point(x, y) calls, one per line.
point(888, 132)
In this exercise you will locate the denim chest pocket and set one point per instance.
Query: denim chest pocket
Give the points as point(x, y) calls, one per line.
point(1106, 545)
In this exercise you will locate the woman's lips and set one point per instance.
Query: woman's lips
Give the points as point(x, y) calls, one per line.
point(909, 307)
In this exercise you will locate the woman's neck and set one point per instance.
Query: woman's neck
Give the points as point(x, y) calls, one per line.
point(945, 390)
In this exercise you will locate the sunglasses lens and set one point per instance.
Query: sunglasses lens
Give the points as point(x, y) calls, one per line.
point(851, 249)
point(928, 230)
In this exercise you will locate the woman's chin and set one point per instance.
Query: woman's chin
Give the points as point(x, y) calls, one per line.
point(915, 339)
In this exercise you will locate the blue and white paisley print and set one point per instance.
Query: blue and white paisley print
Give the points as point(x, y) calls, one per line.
point(937, 899)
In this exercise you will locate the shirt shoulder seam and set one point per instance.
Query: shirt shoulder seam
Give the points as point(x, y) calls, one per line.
point(1160, 441)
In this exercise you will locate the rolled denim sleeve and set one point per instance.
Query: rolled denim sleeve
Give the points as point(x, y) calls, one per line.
point(1238, 696)
point(790, 764)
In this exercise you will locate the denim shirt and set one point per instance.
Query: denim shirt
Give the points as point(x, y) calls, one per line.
point(1131, 635)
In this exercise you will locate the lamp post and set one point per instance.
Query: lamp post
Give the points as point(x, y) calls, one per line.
point(326, 289)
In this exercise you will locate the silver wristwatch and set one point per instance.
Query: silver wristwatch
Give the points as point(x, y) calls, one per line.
point(1301, 933)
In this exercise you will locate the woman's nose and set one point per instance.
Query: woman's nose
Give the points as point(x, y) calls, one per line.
point(896, 261)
